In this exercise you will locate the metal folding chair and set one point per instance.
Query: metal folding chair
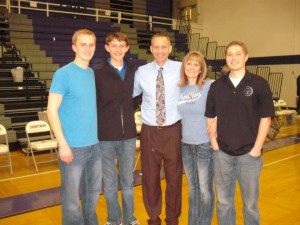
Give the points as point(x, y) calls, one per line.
point(40, 139)
point(4, 149)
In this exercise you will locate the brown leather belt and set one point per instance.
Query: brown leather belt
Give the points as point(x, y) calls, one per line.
point(163, 127)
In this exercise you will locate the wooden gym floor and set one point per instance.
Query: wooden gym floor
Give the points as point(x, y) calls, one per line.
point(279, 192)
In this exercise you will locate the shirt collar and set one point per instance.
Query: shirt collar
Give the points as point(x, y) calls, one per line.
point(109, 63)
point(247, 76)
point(166, 66)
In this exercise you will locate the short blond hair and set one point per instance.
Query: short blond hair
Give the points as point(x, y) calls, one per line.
point(239, 43)
point(82, 32)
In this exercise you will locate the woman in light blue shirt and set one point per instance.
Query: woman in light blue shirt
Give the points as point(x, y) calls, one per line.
point(196, 148)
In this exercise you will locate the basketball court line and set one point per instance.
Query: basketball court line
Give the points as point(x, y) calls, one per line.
point(30, 175)
point(281, 160)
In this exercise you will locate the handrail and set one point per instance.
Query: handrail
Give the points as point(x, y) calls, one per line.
point(91, 12)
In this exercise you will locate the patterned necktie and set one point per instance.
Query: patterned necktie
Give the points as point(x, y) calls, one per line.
point(160, 99)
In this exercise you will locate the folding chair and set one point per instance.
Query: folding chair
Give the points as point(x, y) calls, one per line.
point(138, 122)
point(4, 149)
point(283, 113)
point(138, 146)
point(37, 143)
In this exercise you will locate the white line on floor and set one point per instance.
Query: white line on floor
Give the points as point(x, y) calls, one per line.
point(31, 175)
point(284, 159)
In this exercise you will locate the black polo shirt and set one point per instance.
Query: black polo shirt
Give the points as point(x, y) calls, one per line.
point(239, 111)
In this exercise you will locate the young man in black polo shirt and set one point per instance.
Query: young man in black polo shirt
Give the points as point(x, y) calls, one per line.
point(242, 103)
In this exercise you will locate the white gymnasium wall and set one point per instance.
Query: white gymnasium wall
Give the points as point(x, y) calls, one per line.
point(268, 27)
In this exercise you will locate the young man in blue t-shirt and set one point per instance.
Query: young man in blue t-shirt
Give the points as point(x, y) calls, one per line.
point(72, 114)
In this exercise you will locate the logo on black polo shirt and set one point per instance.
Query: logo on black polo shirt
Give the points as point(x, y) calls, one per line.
point(248, 91)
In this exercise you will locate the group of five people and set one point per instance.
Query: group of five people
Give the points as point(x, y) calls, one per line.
point(211, 129)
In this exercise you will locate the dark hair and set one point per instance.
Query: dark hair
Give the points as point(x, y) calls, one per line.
point(120, 36)
point(158, 35)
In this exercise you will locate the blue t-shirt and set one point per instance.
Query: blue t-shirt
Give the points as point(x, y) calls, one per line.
point(191, 106)
point(77, 112)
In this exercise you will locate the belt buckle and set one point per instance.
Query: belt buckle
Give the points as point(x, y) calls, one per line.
point(159, 127)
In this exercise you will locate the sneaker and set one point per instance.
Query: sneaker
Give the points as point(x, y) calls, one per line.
point(134, 223)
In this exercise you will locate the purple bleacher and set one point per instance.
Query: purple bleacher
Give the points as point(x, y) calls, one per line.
point(58, 44)
point(60, 47)
point(181, 40)
point(68, 26)
point(54, 36)
point(164, 8)
point(87, 3)
point(137, 62)
point(100, 52)
point(76, 6)
point(96, 60)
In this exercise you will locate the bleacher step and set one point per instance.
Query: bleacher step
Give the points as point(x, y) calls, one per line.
point(5, 121)
point(11, 136)
point(18, 111)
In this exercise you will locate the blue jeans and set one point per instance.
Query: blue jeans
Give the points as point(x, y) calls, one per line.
point(124, 151)
point(198, 167)
point(85, 171)
point(246, 169)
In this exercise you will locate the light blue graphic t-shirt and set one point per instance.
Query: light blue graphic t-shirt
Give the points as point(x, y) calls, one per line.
point(191, 106)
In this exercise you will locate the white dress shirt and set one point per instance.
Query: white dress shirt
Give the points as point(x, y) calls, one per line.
point(145, 82)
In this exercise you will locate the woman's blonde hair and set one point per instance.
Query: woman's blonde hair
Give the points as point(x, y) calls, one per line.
point(198, 57)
